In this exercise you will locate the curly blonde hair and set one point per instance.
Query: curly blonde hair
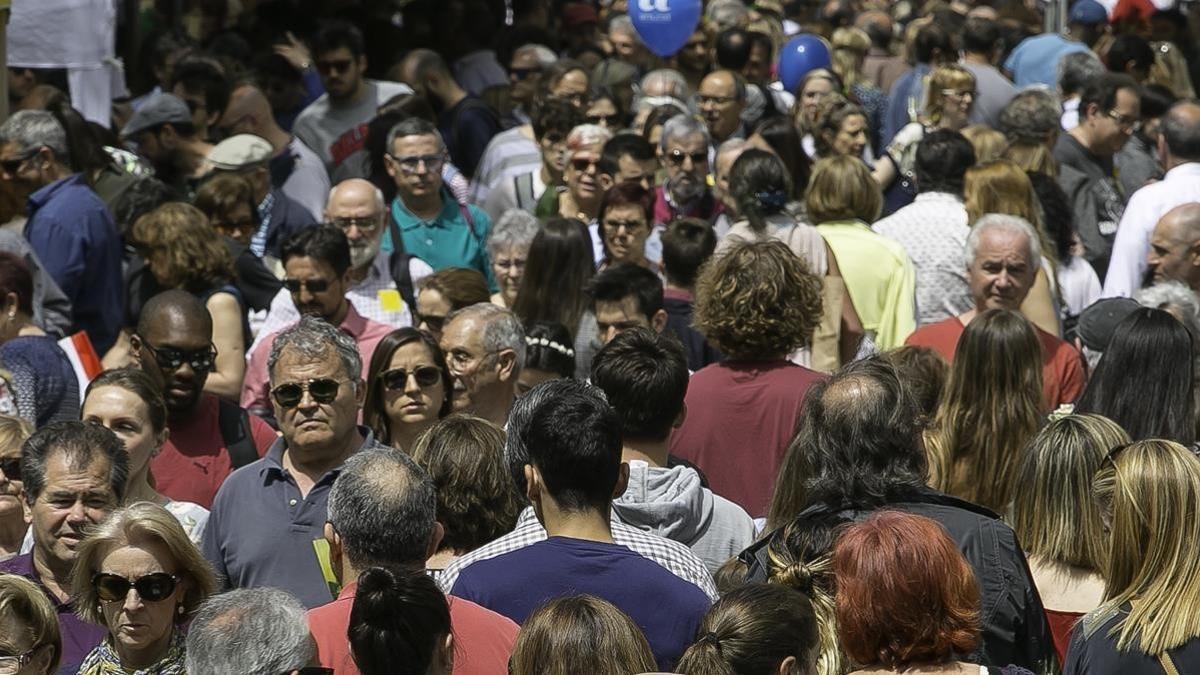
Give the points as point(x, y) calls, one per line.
point(182, 249)
point(757, 300)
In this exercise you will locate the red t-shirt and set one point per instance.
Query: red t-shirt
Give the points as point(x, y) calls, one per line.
point(483, 639)
point(194, 461)
point(740, 418)
point(1062, 365)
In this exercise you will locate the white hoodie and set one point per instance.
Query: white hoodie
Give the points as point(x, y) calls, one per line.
point(672, 504)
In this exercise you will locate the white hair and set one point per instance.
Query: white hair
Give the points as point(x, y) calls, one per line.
point(379, 200)
point(1003, 222)
point(586, 135)
point(544, 55)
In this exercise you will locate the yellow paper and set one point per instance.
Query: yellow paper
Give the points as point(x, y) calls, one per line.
point(390, 300)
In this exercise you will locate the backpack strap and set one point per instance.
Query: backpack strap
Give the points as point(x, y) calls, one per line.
point(234, 423)
point(398, 265)
point(523, 188)
point(1168, 665)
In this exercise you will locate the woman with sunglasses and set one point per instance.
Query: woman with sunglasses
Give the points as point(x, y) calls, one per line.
point(30, 643)
point(42, 380)
point(127, 402)
point(409, 388)
point(445, 291)
point(138, 575)
point(626, 221)
point(13, 528)
point(581, 198)
point(1147, 622)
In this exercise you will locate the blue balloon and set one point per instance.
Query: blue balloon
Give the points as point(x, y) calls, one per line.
point(665, 25)
point(804, 53)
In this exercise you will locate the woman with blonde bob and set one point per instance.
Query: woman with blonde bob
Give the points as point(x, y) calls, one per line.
point(139, 575)
point(182, 251)
point(580, 634)
point(30, 643)
point(990, 408)
point(1057, 519)
point(1147, 623)
point(1000, 186)
point(843, 200)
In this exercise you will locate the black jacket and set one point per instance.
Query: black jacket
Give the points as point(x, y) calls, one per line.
point(1013, 620)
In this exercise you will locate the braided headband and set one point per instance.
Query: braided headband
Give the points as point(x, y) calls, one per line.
point(543, 342)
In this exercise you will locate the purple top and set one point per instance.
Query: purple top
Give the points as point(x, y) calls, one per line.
point(78, 636)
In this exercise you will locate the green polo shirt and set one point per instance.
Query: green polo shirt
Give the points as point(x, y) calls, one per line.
point(448, 240)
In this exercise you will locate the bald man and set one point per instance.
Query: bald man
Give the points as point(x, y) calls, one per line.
point(1175, 246)
point(381, 290)
point(722, 97)
point(295, 169)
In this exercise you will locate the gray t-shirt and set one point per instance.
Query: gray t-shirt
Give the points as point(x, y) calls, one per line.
point(337, 132)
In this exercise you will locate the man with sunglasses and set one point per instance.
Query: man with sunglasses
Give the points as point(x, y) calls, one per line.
point(317, 274)
point(683, 151)
point(268, 514)
point(74, 475)
point(1109, 112)
point(164, 135)
point(69, 227)
point(278, 214)
point(433, 225)
point(209, 437)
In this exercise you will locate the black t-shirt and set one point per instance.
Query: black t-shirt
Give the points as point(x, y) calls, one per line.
point(1093, 652)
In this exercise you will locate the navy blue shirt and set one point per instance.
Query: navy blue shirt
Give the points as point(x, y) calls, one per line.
point(666, 608)
point(79, 638)
point(1093, 651)
point(261, 530)
point(72, 232)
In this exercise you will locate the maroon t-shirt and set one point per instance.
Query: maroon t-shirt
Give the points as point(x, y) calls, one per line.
point(740, 418)
point(194, 461)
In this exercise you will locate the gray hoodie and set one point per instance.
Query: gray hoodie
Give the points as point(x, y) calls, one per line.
point(671, 503)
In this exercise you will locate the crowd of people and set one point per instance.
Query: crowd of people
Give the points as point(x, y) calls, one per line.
point(480, 339)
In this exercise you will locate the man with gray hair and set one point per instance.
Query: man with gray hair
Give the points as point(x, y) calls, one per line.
point(381, 514)
point(1002, 260)
point(267, 514)
point(683, 152)
point(432, 225)
point(485, 350)
point(1175, 247)
point(69, 227)
point(252, 631)
point(1074, 71)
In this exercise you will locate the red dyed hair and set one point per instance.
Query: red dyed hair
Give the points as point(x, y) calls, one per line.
point(905, 594)
point(629, 193)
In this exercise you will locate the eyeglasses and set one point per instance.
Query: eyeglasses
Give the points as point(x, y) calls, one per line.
point(11, 468)
point(629, 225)
point(582, 165)
point(703, 99)
point(520, 74)
point(322, 390)
point(12, 166)
point(366, 224)
point(432, 163)
point(313, 285)
point(1125, 121)
point(434, 322)
point(172, 358)
point(11, 665)
point(514, 264)
point(461, 360)
point(151, 588)
point(676, 157)
point(396, 379)
point(604, 120)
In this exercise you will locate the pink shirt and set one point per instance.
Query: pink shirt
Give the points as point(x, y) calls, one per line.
point(256, 388)
point(483, 639)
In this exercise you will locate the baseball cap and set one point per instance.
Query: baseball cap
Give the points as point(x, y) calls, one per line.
point(1088, 12)
point(157, 110)
point(1097, 322)
point(240, 151)
point(577, 14)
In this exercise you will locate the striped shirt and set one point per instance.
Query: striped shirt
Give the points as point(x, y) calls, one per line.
point(510, 153)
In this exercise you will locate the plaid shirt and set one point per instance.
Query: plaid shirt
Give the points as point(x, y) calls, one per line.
point(675, 557)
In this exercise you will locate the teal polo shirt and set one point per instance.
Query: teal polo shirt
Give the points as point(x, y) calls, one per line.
point(448, 240)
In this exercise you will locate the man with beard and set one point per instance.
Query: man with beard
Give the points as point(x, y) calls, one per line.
point(357, 208)
point(683, 152)
point(466, 122)
point(209, 437)
point(432, 225)
point(278, 215)
point(317, 274)
point(75, 475)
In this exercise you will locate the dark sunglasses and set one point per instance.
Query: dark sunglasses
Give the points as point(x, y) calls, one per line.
point(604, 120)
point(581, 165)
point(676, 157)
point(11, 466)
point(170, 358)
point(396, 379)
point(151, 588)
point(520, 74)
point(322, 389)
point(12, 166)
point(313, 285)
point(435, 323)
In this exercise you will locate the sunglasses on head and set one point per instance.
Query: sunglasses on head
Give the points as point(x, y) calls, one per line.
point(313, 285)
point(172, 358)
point(322, 390)
point(11, 467)
point(151, 588)
point(396, 379)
